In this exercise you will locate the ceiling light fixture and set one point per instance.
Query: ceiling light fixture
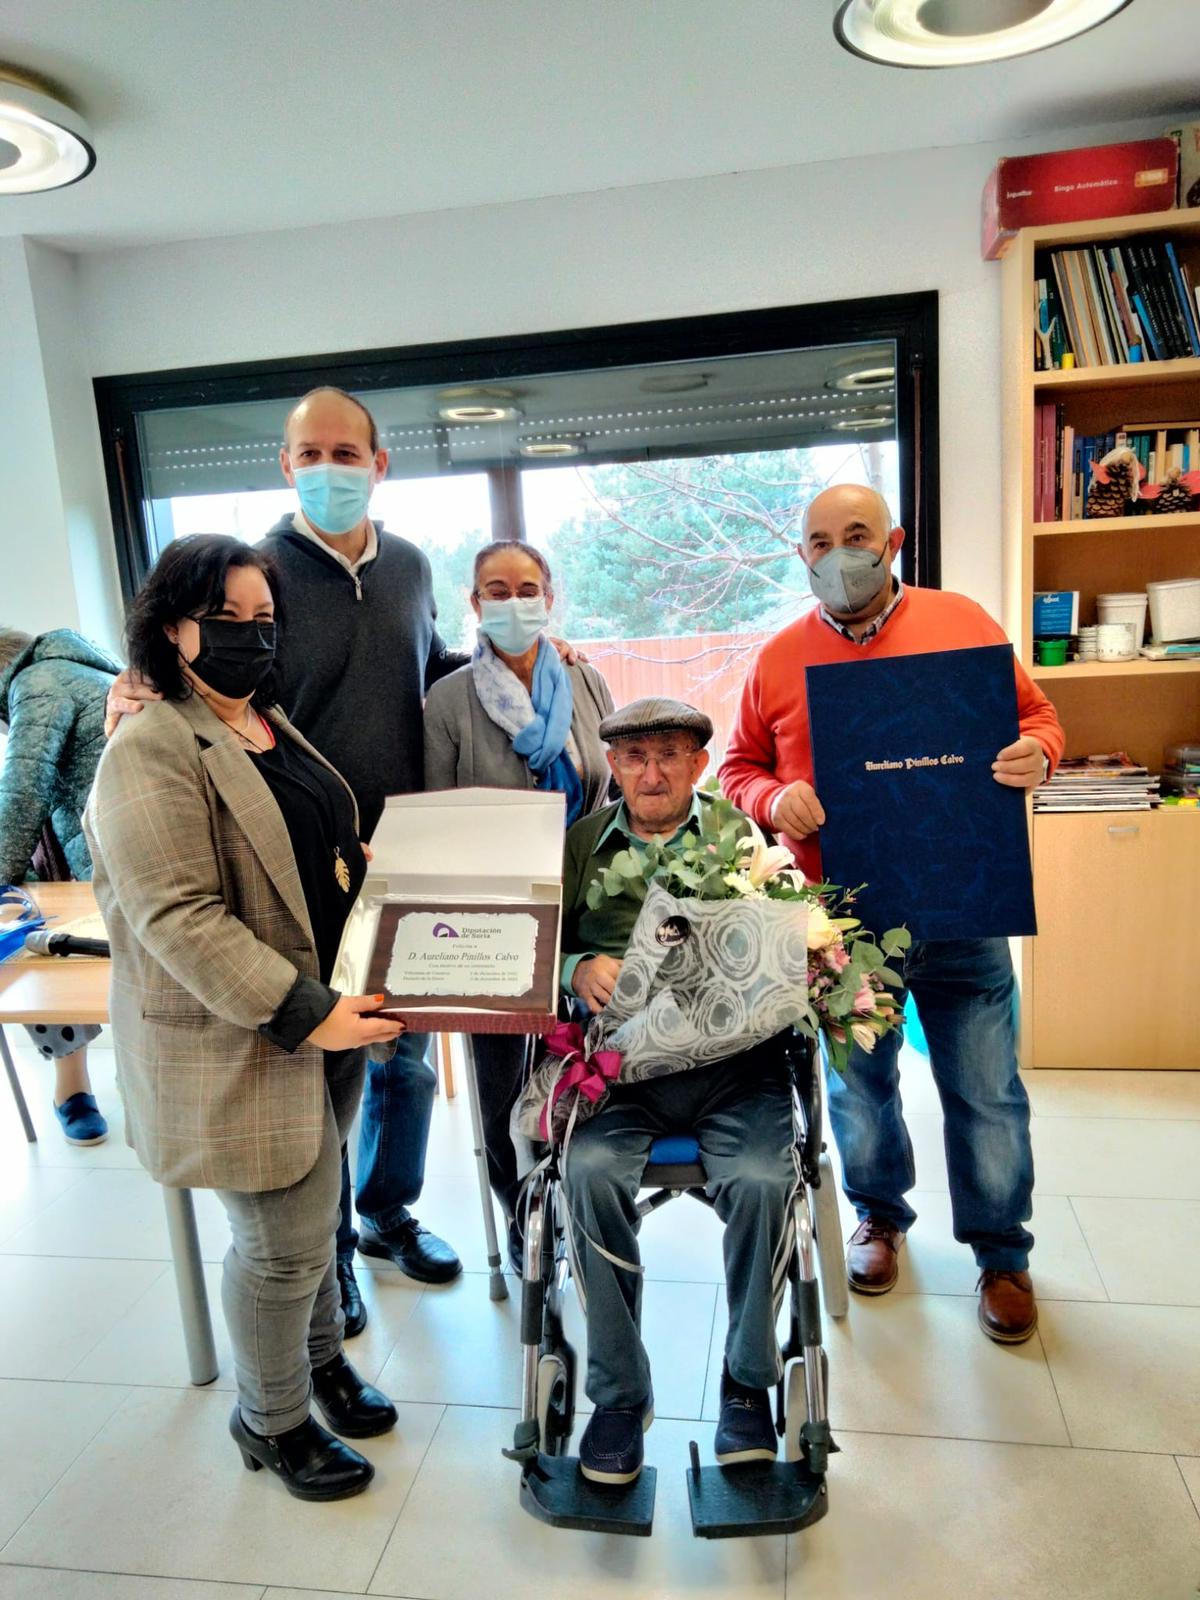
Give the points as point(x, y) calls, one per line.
point(865, 379)
point(545, 448)
point(856, 424)
point(44, 144)
point(674, 383)
point(478, 413)
point(962, 33)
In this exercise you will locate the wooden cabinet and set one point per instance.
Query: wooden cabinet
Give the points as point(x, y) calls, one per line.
point(1114, 968)
point(1099, 988)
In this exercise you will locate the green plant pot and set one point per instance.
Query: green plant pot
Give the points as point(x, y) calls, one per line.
point(1050, 652)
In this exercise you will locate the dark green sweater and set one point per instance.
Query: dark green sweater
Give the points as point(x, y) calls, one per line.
point(604, 932)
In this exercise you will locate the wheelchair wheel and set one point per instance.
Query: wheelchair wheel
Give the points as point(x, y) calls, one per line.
point(795, 1395)
point(831, 1257)
point(555, 1402)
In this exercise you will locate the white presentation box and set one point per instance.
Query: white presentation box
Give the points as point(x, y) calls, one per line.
point(458, 922)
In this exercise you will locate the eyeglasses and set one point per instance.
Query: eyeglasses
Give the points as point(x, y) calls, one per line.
point(635, 762)
point(504, 591)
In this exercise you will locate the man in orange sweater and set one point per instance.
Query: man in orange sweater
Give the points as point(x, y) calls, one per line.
point(962, 988)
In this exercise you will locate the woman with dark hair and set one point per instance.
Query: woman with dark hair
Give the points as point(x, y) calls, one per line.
point(515, 717)
point(226, 860)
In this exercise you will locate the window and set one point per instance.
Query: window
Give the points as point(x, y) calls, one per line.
point(663, 469)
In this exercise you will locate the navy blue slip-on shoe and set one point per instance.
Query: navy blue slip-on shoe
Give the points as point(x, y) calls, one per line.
point(612, 1448)
point(80, 1120)
point(746, 1431)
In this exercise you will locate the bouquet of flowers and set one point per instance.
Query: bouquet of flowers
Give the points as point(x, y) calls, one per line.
point(731, 946)
point(727, 859)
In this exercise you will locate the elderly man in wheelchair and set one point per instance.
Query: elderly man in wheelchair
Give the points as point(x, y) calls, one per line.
point(727, 1130)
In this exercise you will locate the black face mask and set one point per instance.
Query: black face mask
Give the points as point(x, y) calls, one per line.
point(234, 657)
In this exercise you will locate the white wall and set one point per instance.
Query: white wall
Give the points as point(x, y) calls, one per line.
point(83, 496)
point(833, 230)
point(57, 565)
point(37, 590)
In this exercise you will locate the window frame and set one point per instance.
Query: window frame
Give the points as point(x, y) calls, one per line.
point(910, 320)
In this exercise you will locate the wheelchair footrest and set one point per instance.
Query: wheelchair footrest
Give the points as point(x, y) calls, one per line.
point(555, 1491)
point(758, 1498)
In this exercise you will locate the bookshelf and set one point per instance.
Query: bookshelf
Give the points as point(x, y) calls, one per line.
point(1095, 983)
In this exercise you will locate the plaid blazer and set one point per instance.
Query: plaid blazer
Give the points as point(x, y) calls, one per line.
point(198, 886)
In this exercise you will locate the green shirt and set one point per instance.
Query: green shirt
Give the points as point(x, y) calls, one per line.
point(591, 845)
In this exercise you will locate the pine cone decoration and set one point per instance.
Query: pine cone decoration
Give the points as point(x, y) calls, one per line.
point(1107, 499)
point(1177, 492)
point(1114, 484)
point(1175, 496)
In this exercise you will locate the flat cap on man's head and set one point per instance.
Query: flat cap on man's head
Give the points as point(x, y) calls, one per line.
point(656, 714)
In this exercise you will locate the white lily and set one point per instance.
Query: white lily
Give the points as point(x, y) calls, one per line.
point(766, 861)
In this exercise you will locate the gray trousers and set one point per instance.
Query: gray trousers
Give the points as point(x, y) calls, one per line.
point(740, 1112)
point(280, 1290)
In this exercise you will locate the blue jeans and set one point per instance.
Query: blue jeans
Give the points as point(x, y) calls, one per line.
point(396, 1108)
point(963, 991)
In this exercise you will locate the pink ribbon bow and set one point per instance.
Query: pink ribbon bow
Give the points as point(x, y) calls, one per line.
point(590, 1075)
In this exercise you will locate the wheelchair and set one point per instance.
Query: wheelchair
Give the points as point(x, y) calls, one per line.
point(753, 1498)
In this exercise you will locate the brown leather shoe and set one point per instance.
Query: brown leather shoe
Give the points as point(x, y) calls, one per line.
point(1007, 1309)
point(871, 1264)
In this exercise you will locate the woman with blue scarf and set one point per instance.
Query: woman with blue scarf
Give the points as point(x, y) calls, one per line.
point(516, 717)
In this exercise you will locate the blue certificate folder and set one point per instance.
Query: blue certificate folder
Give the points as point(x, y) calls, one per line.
point(902, 758)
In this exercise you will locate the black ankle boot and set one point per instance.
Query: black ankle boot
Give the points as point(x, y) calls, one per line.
point(312, 1463)
point(355, 1409)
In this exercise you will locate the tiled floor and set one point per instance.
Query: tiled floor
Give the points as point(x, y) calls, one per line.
point(1067, 1468)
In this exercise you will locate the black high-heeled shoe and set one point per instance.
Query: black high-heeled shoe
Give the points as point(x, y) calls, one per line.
point(311, 1463)
point(355, 1409)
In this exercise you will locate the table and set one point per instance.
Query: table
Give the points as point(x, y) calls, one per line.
point(74, 990)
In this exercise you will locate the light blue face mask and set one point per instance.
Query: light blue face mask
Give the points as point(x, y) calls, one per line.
point(333, 499)
point(513, 625)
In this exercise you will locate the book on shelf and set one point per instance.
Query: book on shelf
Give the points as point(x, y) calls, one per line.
point(1063, 459)
point(1120, 302)
point(1098, 783)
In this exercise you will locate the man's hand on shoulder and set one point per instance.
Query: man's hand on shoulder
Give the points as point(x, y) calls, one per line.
point(797, 811)
point(595, 979)
point(129, 693)
point(1020, 765)
point(567, 652)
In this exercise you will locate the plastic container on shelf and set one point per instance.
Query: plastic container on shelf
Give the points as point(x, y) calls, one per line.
point(1174, 609)
point(1124, 608)
point(1050, 652)
point(1115, 641)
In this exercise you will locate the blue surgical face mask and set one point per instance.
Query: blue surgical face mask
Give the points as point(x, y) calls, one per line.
point(846, 580)
point(513, 625)
point(333, 499)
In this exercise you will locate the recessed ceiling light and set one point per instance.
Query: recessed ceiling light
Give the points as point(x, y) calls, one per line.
point(545, 448)
point(477, 391)
point(962, 33)
point(478, 413)
point(674, 383)
point(856, 424)
point(866, 378)
point(44, 144)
